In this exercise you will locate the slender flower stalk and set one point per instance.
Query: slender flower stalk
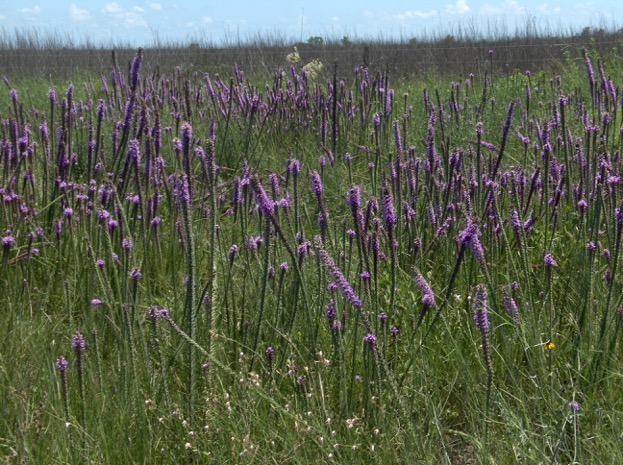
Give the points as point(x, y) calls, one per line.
point(481, 320)
point(61, 365)
point(79, 346)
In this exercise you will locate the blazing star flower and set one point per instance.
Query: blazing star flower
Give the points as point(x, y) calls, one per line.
point(370, 339)
point(270, 353)
point(481, 314)
point(61, 364)
point(428, 296)
point(549, 261)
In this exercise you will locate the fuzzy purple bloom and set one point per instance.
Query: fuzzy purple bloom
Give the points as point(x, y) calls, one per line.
point(270, 354)
point(7, 242)
point(549, 261)
point(79, 343)
point(316, 184)
point(61, 364)
point(370, 339)
point(266, 205)
point(337, 275)
point(231, 255)
point(428, 296)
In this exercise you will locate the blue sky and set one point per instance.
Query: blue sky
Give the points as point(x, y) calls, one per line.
point(140, 22)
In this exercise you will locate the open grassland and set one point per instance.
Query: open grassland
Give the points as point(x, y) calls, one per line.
point(313, 265)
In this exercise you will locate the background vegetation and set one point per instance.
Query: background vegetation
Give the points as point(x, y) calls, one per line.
point(344, 265)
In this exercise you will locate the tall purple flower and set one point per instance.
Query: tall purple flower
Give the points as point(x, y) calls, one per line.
point(481, 313)
point(370, 340)
point(353, 200)
point(316, 182)
point(136, 68)
point(589, 69)
point(7, 242)
point(470, 237)
point(266, 205)
point(231, 255)
point(397, 137)
point(389, 212)
point(428, 296)
point(549, 261)
point(61, 364)
point(511, 306)
point(337, 275)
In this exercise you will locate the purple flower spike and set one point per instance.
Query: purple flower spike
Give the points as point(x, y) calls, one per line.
point(267, 206)
point(549, 261)
point(232, 254)
point(316, 184)
point(428, 296)
point(127, 245)
point(7, 243)
point(61, 364)
point(270, 354)
point(79, 344)
point(389, 212)
point(370, 339)
point(136, 274)
point(336, 274)
point(481, 314)
point(136, 67)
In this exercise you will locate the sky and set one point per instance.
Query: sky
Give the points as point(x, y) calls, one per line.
point(144, 22)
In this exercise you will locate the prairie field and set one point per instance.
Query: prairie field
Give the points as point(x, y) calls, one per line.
point(314, 260)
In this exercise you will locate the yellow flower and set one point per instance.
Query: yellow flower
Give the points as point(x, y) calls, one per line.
point(549, 345)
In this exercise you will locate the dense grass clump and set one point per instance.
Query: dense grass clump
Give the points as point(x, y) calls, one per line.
point(213, 269)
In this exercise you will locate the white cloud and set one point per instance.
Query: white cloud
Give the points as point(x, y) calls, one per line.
point(128, 18)
point(207, 20)
point(335, 19)
point(78, 14)
point(35, 10)
point(2, 18)
point(368, 14)
point(155, 6)
point(508, 6)
point(460, 7)
point(112, 8)
point(414, 15)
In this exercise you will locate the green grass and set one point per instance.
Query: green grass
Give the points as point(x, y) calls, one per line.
point(197, 384)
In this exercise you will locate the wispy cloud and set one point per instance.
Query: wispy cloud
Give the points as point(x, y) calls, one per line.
point(507, 7)
point(131, 18)
point(78, 14)
point(460, 7)
point(207, 20)
point(112, 8)
point(414, 15)
point(368, 14)
point(35, 10)
point(155, 6)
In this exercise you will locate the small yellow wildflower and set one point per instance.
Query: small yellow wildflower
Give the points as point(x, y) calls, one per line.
point(549, 345)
